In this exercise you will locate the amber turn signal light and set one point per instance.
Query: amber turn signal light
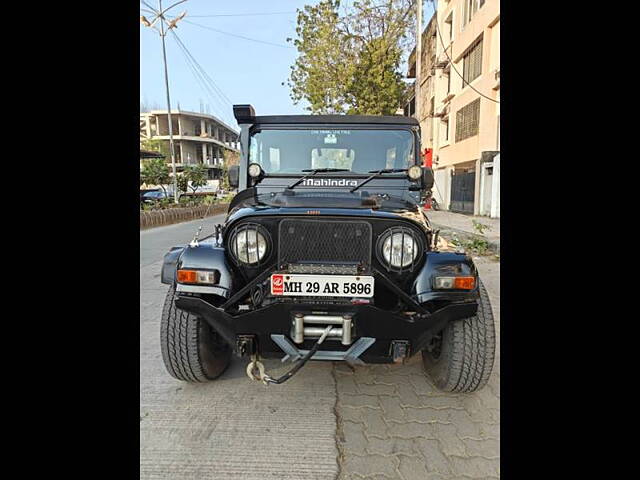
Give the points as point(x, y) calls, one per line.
point(187, 276)
point(465, 283)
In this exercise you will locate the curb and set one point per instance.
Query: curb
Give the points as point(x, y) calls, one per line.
point(169, 216)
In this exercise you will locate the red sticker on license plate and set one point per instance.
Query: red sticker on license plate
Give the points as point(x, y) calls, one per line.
point(277, 284)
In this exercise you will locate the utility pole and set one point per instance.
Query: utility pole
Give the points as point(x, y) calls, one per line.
point(159, 15)
point(418, 60)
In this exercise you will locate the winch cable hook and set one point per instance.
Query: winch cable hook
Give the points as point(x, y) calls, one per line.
point(266, 379)
point(253, 366)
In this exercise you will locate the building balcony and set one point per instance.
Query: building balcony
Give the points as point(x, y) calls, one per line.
point(193, 138)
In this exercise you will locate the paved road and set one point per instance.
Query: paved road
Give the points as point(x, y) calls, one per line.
point(327, 422)
point(393, 423)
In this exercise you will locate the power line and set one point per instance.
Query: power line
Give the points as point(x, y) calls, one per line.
point(210, 87)
point(217, 89)
point(243, 14)
point(198, 77)
point(238, 36)
point(435, 16)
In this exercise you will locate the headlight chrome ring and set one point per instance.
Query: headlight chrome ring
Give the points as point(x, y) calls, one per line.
point(249, 244)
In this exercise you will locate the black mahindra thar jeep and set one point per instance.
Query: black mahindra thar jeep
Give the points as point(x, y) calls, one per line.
point(326, 254)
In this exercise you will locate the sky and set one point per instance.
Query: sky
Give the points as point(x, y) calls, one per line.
point(244, 71)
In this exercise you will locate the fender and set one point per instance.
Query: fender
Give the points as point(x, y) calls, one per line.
point(444, 264)
point(206, 256)
point(168, 272)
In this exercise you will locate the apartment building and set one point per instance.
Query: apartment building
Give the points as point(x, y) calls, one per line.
point(461, 123)
point(427, 84)
point(198, 137)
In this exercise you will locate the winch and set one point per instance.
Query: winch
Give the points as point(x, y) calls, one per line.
point(312, 326)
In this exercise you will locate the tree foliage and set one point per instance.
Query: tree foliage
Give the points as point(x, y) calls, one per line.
point(196, 176)
point(183, 183)
point(349, 61)
point(155, 145)
point(155, 171)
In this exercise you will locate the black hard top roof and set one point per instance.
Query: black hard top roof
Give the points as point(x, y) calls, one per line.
point(339, 119)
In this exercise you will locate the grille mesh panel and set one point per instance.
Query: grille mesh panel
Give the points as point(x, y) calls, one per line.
point(324, 241)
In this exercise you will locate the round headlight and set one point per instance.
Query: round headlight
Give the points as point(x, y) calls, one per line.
point(248, 244)
point(400, 249)
point(414, 172)
point(255, 170)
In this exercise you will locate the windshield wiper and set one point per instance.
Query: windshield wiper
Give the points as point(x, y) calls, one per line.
point(377, 173)
point(313, 172)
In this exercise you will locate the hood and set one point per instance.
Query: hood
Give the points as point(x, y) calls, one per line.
point(413, 214)
point(318, 199)
point(396, 185)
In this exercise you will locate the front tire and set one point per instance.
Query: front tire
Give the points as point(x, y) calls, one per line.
point(461, 358)
point(192, 351)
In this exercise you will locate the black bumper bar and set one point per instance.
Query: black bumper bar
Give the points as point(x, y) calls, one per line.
point(369, 321)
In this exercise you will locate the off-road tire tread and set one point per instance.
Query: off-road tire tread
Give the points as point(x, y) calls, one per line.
point(180, 341)
point(472, 349)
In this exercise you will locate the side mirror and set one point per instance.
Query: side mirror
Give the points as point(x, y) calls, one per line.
point(427, 178)
point(234, 176)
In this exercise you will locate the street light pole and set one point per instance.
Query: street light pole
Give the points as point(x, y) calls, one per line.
point(160, 16)
point(172, 147)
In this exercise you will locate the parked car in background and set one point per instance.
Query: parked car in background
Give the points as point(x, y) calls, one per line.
point(154, 196)
point(144, 191)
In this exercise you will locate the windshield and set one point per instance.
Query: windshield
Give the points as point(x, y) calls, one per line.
point(358, 150)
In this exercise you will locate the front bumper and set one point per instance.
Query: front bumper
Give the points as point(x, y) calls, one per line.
point(369, 322)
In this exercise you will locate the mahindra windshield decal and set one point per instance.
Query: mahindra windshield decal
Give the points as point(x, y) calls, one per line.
point(329, 182)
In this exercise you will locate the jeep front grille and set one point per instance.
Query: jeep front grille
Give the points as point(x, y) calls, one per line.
point(330, 242)
point(323, 269)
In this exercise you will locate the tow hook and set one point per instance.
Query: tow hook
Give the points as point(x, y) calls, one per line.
point(255, 368)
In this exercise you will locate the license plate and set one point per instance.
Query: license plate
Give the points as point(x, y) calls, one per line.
point(322, 285)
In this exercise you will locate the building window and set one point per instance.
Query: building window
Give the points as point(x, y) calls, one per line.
point(467, 120)
point(410, 108)
point(449, 28)
point(470, 8)
point(444, 130)
point(472, 62)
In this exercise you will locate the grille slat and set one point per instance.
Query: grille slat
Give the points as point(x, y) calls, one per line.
point(324, 242)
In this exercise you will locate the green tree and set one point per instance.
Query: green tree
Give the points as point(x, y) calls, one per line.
point(183, 183)
point(155, 171)
point(350, 62)
point(196, 175)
